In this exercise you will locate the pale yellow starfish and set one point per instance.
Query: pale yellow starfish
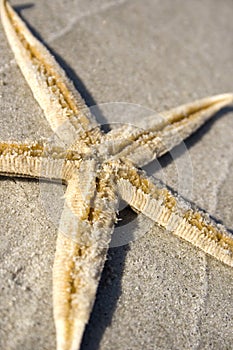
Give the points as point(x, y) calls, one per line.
point(98, 168)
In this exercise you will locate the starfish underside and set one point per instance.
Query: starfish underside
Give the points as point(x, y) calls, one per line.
point(99, 168)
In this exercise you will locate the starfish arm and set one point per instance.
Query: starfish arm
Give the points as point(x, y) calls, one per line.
point(165, 131)
point(175, 214)
point(35, 160)
point(84, 234)
point(63, 106)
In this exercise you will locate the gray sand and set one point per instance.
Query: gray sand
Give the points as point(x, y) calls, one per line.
point(157, 292)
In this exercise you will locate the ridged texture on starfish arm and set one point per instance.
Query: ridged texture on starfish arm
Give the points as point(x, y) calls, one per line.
point(175, 214)
point(88, 218)
point(36, 160)
point(164, 131)
point(63, 106)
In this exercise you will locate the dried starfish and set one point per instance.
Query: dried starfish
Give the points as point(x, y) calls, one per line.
point(98, 168)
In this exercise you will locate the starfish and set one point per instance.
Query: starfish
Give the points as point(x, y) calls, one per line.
point(98, 169)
